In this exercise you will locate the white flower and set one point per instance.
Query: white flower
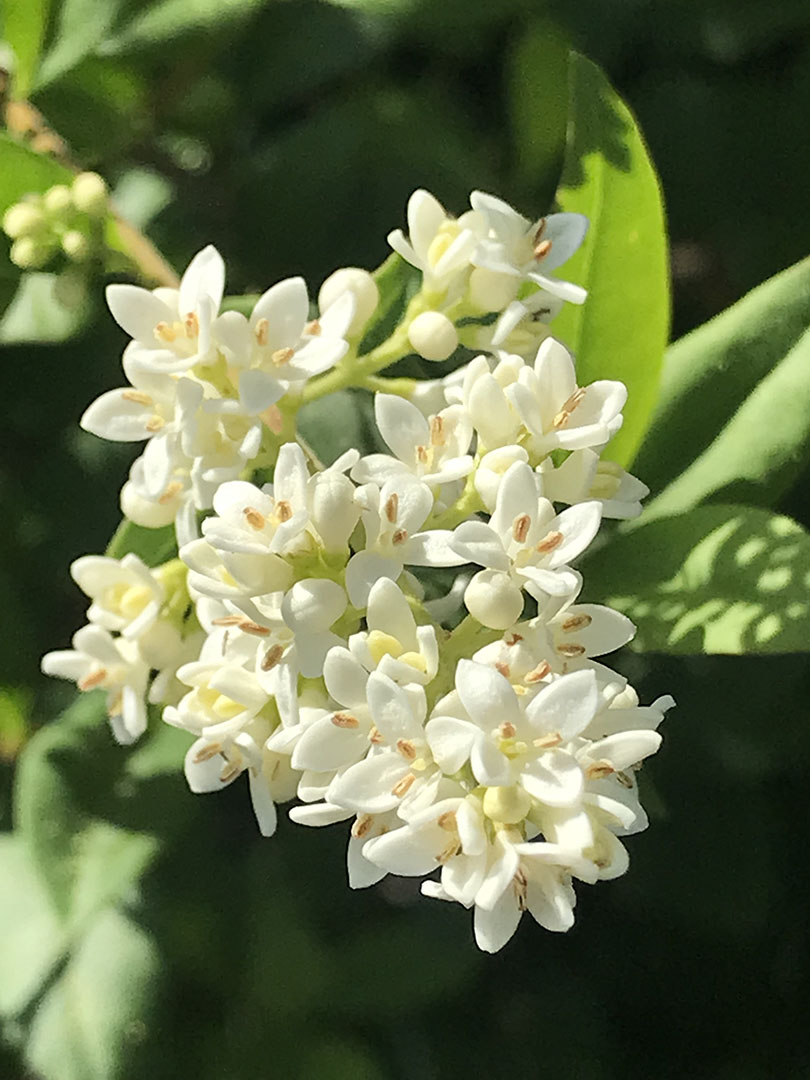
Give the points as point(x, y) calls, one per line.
point(279, 344)
point(557, 412)
point(97, 660)
point(433, 449)
point(524, 545)
point(172, 327)
point(362, 286)
point(483, 397)
point(529, 251)
point(392, 517)
point(126, 595)
point(393, 643)
point(438, 244)
point(582, 476)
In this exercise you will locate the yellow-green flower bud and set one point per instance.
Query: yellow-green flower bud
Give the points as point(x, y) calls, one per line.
point(507, 804)
point(29, 254)
point(90, 194)
point(57, 200)
point(75, 245)
point(22, 219)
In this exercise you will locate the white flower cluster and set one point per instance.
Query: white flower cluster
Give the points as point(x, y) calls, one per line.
point(498, 756)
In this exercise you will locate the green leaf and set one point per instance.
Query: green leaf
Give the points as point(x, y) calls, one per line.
point(621, 331)
point(154, 546)
point(339, 422)
point(97, 1014)
point(397, 281)
point(734, 417)
point(24, 25)
point(80, 28)
point(23, 170)
point(166, 20)
point(717, 579)
point(37, 313)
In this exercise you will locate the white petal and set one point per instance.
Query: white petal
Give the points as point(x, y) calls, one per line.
point(486, 695)
point(450, 741)
point(555, 778)
point(488, 764)
point(263, 806)
point(625, 748)
point(138, 311)
point(366, 788)
point(345, 678)
point(112, 416)
point(258, 390)
point(494, 928)
point(567, 705)
point(402, 425)
point(286, 308)
point(402, 851)
point(324, 746)
point(477, 542)
point(363, 570)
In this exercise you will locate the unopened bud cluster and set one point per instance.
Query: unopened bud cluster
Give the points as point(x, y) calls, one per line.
point(475, 739)
point(62, 222)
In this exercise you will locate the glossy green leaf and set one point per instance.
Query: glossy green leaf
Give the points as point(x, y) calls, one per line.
point(717, 579)
point(80, 28)
point(23, 26)
point(736, 411)
point(38, 314)
point(168, 19)
point(621, 330)
point(23, 170)
point(154, 546)
point(97, 1014)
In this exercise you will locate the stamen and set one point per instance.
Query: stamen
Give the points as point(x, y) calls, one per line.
point(362, 824)
point(503, 668)
point(191, 325)
point(282, 510)
point(391, 507)
point(345, 720)
point(313, 328)
point(545, 742)
point(521, 886)
point(403, 786)
point(520, 528)
point(564, 415)
point(542, 249)
point(436, 431)
point(407, 749)
point(452, 849)
point(375, 735)
point(164, 332)
point(172, 489)
point(155, 423)
point(571, 651)
point(539, 673)
point(282, 356)
point(507, 730)
point(138, 396)
point(93, 679)
point(576, 622)
point(625, 780)
point(227, 620)
point(599, 770)
point(541, 228)
point(513, 639)
point(205, 753)
point(272, 657)
point(250, 627)
point(447, 821)
point(399, 537)
point(550, 542)
point(229, 772)
point(262, 327)
point(255, 518)
point(422, 455)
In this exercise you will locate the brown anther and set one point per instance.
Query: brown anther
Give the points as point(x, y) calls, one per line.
point(375, 735)
point(507, 730)
point(362, 824)
point(138, 396)
point(227, 620)
point(447, 821)
point(513, 639)
point(155, 423)
point(164, 332)
point(392, 507)
point(503, 668)
point(262, 327)
point(436, 431)
point(542, 249)
point(255, 518)
point(282, 510)
point(541, 228)
point(624, 779)
point(172, 489)
point(520, 884)
point(576, 622)
point(282, 356)
point(520, 528)
point(407, 749)
point(545, 742)
point(564, 415)
point(191, 324)
point(207, 752)
point(452, 849)
point(403, 786)
point(345, 720)
point(229, 772)
point(550, 542)
point(538, 673)
point(313, 328)
point(399, 537)
point(247, 626)
point(599, 770)
point(272, 657)
point(571, 651)
point(422, 454)
point(94, 678)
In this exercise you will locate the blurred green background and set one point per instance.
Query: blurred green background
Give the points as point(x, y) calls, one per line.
point(290, 134)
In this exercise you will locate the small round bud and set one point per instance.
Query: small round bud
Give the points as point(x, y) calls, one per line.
point(433, 336)
point(360, 284)
point(141, 511)
point(90, 194)
point(507, 804)
point(75, 245)
point(57, 200)
point(493, 599)
point(29, 254)
point(491, 291)
point(22, 219)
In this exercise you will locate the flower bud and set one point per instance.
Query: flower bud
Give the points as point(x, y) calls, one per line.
point(433, 336)
point(507, 804)
point(362, 286)
point(490, 290)
point(29, 254)
point(22, 219)
point(75, 245)
point(493, 599)
point(57, 200)
point(141, 511)
point(90, 194)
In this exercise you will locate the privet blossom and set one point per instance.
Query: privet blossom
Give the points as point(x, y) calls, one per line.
point(474, 739)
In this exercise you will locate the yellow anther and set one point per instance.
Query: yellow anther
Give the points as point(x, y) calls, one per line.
point(520, 528)
point(407, 749)
point(138, 396)
point(550, 542)
point(571, 651)
point(261, 331)
point(191, 325)
point(93, 679)
point(155, 423)
point(392, 507)
point(226, 708)
point(362, 824)
point(255, 518)
point(576, 622)
point(564, 415)
point(134, 600)
point(542, 249)
point(282, 510)
point(345, 720)
point(436, 431)
point(546, 742)
point(403, 786)
point(414, 660)
point(538, 673)
point(313, 328)
point(171, 490)
point(440, 243)
point(282, 356)
point(166, 333)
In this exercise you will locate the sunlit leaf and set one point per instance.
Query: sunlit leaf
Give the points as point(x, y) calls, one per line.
point(717, 579)
point(621, 330)
point(80, 28)
point(23, 26)
point(23, 170)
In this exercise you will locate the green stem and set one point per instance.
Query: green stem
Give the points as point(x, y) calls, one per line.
point(383, 384)
point(469, 502)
